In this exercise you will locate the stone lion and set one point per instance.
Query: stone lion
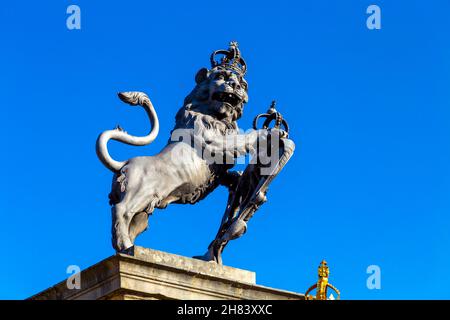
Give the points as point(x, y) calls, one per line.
point(179, 173)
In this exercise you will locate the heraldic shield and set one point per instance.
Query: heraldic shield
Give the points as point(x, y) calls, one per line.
point(248, 191)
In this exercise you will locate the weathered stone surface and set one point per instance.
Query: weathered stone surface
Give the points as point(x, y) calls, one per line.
point(150, 274)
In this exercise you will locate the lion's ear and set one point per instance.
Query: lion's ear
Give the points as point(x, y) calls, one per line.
point(201, 75)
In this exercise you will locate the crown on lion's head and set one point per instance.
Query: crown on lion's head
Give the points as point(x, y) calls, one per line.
point(230, 59)
point(222, 90)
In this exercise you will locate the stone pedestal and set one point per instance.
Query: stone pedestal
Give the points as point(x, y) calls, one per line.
point(148, 274)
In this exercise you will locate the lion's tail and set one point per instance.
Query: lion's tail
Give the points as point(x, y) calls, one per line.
point(134, 99)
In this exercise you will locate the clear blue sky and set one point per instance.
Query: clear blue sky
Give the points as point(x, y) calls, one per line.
point(369, 183)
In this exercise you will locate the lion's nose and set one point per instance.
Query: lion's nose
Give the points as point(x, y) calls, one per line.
point(235, 85)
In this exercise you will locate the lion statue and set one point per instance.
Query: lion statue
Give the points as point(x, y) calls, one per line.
point(180, 173)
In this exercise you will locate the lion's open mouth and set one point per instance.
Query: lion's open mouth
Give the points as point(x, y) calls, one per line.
point(227, 97)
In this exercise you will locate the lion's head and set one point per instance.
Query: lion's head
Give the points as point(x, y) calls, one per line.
point(220, 93)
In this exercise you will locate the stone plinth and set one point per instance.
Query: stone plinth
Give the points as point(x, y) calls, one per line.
point(148, 274)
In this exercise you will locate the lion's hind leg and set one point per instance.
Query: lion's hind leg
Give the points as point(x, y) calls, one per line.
point(132, 216)
point(129, 219)
point(120, 237)
point(139, 223)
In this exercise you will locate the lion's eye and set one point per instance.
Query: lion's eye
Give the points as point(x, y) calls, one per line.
point(220, 77)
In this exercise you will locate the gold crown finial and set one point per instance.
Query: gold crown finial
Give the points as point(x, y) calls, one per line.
point(324, 270)
point(322, 284)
